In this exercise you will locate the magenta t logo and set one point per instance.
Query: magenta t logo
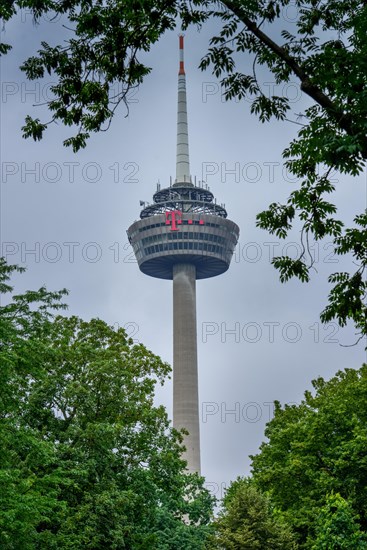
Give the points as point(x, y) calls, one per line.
point(174, 218)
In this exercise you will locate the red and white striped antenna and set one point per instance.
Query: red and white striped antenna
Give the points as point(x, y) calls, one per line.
point(182, 155)
point(182, 61)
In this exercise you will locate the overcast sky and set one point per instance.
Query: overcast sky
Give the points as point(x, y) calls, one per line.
point(259, 340)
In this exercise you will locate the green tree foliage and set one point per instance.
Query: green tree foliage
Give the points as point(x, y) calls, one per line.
point(27, 489)
point(315, 449)
point(325, 50)
point(337, 528)
point(98, 57)
point(87, 460)
point(247, 521)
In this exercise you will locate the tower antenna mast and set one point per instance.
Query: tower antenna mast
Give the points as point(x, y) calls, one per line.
point(182, 154)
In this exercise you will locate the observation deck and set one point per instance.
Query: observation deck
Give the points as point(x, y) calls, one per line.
point(183, 225)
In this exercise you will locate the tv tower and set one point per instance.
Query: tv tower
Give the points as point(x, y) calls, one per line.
point(184, 235)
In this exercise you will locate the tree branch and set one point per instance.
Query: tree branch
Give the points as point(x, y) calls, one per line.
point(307, 86)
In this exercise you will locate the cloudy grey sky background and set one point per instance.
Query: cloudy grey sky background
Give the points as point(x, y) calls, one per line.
point(259, 340)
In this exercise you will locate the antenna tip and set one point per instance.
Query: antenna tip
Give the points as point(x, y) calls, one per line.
point(182, 66)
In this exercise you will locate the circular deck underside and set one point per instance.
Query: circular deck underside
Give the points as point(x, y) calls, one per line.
point(162, 266)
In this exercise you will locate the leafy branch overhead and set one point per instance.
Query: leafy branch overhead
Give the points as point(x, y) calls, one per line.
point(325, 50)
point(98, 64)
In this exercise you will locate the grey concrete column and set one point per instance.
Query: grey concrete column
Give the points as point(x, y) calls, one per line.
point(185, 364)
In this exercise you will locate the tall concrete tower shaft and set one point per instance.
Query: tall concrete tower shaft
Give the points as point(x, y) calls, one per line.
point(185, 363)
point(184, 235)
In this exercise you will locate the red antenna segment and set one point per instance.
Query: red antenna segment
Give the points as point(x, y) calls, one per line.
point(182, 66)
